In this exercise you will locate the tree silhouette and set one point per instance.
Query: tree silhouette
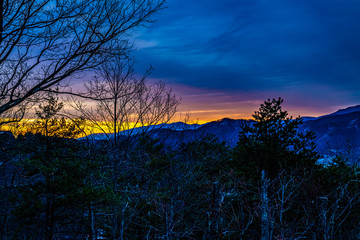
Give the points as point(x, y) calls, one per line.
point(273, 142)
point(43, 42)
point(125, 101)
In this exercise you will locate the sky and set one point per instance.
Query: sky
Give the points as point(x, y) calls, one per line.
point(225, 57)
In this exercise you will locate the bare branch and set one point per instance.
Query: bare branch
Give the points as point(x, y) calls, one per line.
point(43, 42)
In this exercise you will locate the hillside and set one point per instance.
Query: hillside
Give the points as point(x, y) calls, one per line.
point(335, 132)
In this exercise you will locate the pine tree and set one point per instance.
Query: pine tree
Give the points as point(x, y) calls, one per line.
point(55, 189)
point(273, 143)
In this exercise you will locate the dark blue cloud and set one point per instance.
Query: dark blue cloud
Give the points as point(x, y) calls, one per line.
point(258, 45)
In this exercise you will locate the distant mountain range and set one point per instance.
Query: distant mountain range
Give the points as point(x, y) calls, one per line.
point(338, 132)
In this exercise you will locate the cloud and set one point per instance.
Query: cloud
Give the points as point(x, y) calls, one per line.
point(304, 47)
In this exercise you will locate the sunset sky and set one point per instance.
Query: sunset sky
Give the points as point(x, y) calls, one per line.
point(223, 58)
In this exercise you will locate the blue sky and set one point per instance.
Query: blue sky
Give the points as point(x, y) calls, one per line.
point(223, 58)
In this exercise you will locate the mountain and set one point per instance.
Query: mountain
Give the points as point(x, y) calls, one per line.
point(346, 110)
point(177, 126)
point(225, 130)
point(338, 132)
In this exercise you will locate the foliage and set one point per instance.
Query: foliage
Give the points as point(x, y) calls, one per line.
point(273, 143)
point(48, 124)
point(56, 187)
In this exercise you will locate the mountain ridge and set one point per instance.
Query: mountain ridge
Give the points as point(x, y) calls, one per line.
point(337, 132)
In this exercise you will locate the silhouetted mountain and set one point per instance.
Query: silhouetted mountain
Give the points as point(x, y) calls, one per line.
point(346, 110)
point(338, 132)
point(177, 126)
point(225, 130)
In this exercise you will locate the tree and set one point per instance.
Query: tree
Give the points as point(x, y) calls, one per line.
point(274, 155)
point(337, 199)
point(49, 124)
point(56, 180)
point(125, 101)
point(273, 143)
point(44, 42)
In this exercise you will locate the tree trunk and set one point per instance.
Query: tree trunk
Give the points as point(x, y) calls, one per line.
point(115, 120)
point(266, 226)
point(169, 219)
point(324, 227)
point(213, 229)
point(92, 222)
point(122, 227)
point(1, 19)
point(49, 217)
point(114, 226)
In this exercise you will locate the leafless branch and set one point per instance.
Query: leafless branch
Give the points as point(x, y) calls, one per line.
point(43, 42)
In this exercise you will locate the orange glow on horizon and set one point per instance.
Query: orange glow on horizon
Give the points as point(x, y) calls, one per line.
point(197, 115)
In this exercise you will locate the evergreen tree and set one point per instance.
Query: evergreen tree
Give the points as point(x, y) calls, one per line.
point(56, 188)
point(49, 124)
point(273, 143)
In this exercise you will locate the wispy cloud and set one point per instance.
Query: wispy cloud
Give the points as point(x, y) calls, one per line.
point(302, 50)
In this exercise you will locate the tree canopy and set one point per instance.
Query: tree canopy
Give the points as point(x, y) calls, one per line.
point(273, 142)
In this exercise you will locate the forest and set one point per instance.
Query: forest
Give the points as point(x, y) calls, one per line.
point(58, 183)
point(267, 187)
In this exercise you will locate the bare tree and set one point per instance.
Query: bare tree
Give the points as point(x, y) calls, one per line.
point(125, 101)
point(43, 42)
point(336, 208)
point(122, 101)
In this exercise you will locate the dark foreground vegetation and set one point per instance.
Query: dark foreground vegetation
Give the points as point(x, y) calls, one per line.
point(267, 187)
point(53, 186)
